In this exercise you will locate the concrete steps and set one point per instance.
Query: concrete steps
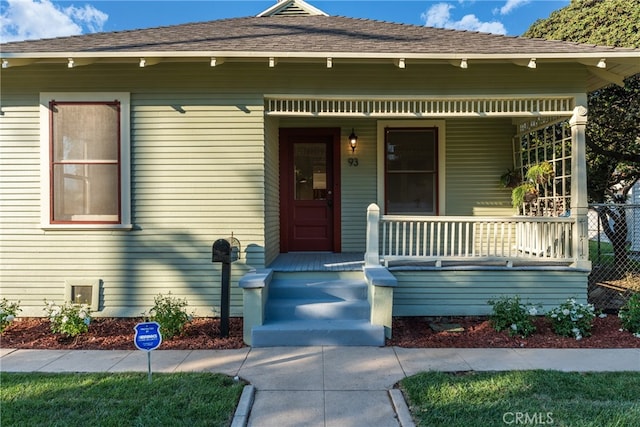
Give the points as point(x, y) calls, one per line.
point(317, 309)
point(318, 289)
point(305, 309)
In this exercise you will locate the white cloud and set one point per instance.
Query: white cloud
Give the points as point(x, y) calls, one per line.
point(37, 19)
point(512, 4)
point(90, 17)
point(439, 16)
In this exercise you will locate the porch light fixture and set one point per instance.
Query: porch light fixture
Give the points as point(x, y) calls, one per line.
point(602, 63)
point(70, 63)
point(353, 140)
point(532, 63)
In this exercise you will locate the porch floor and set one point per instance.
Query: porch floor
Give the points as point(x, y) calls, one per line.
point(318, 261)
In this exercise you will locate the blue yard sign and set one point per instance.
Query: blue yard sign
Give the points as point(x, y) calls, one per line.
point(147, 338)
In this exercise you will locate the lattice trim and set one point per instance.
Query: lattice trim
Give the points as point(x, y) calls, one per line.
point(435, 107)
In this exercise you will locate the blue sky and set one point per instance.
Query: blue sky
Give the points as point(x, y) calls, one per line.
point(32, 19)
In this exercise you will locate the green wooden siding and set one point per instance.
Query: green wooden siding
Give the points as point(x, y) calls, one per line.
point(478, 153)
point(359, 183)
point(272, 193)
point(195, 159)
point(457, 292)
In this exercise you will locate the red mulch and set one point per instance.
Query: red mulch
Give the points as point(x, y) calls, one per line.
point(117, 334)
point(478, 333)
point(204, 333)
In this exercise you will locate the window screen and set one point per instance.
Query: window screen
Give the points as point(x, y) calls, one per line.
point(85, 162)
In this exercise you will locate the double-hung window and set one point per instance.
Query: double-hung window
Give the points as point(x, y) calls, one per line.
point(411, 171)
point(87, 183)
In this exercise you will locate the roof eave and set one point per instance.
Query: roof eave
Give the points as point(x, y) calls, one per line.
point(605, 67)
point(563, 57)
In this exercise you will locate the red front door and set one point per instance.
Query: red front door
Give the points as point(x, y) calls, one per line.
point(309, 190)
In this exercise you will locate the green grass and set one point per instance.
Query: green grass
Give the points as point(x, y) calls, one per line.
point(530, 397)
point(186, 399)
point(606, 257)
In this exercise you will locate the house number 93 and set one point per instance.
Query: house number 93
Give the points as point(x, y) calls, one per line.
point(353, 161)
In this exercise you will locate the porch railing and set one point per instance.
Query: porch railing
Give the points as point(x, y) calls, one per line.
point(395, 238)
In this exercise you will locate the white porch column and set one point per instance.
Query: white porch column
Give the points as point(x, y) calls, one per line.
point(372, 255)
point(579, 201)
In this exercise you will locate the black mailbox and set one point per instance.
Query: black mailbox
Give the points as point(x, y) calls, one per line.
point(225, 251)
point(221, 251)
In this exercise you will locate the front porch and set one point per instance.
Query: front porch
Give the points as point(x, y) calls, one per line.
point(435, 266)
point(450, 242)
point(318, 262)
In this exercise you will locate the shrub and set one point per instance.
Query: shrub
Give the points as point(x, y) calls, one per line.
point(512, 315)
point(170, 313)
point(572, 319)
point(8, 312)
point(629, 315)
point(68, 319)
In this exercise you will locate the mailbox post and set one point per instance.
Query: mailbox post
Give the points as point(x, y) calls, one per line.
point(223, 252)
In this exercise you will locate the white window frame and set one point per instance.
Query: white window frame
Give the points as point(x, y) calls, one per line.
point(124, 98)
point(441, 126)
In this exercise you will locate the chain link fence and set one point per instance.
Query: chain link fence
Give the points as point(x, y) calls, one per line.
point(614, 250)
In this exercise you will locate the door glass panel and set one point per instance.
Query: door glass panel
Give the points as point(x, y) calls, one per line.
point(310, 171)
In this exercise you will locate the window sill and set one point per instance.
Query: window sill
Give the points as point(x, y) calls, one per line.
point(87, 227)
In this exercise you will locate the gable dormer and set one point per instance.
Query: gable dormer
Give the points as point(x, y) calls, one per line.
point(292, 8)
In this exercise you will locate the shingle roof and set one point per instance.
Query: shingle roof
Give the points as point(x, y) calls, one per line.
point(297, 34)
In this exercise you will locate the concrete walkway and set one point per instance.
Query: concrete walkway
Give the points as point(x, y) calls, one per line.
point(322, 386)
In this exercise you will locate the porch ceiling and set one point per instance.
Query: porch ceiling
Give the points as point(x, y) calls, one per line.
point(418, 107)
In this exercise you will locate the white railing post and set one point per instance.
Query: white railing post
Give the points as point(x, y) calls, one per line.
point(372, 255)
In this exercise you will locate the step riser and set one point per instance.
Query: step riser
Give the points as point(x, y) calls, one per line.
point(318, 275)
point(304, 337)
point(317, 291)
point(329, 338)
point(310, 310)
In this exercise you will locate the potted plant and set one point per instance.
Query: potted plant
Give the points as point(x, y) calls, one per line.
point(541, 173)
point(511, 178)
point(524, 193)
point(527, 191)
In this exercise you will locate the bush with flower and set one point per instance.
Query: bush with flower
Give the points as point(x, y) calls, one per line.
point(629, 315)
point(8, 312)
point(68, 319)
point(572, 319)
point(170, 312)
point(512, 315)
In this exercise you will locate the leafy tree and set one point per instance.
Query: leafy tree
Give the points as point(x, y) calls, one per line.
point(603, 22)
point(613, 130)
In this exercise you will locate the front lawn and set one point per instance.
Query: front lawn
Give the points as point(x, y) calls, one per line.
point(185, 399)
point(524, 398)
